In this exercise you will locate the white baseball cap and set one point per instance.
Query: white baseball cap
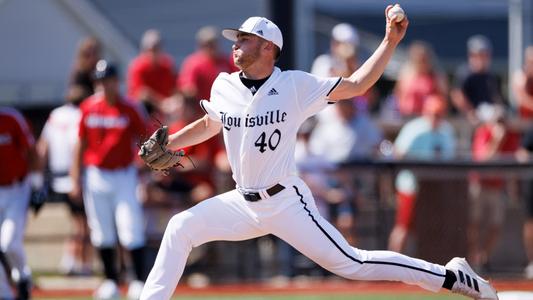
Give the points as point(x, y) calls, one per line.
point(345, 33)
point(259, 26)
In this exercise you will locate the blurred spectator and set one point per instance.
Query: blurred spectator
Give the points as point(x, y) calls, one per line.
point(17, 158)
point(56, 148)
point(342, 60)
point(151, 75)
point(492, 140)
point(525, 155)
point(475, 83)
point(349, 135)
point(419, 77)
point(199, 70)
point(109, 127)
point(343, 52)
point(88, 53)
point(428, 137)
point(522, 84)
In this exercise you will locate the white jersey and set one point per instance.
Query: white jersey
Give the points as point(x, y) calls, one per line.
point(61, 134)
point(260, 130)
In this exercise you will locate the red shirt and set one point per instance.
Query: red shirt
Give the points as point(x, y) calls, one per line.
point(481, 141)
point(15, 141)
point(160, 75)
point(413, 92)
point(110, 131)
point(199, 71)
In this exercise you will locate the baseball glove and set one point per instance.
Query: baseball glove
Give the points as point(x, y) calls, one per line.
point(155, 154)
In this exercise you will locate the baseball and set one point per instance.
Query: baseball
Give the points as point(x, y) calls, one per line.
point(397, 11)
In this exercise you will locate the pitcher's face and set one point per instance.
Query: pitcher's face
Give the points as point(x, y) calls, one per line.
point(246, 50)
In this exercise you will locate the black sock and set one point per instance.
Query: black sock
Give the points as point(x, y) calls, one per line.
point(137, 260)
point(449, 280)
point(108, 257)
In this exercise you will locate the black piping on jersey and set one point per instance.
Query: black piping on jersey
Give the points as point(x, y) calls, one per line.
point(346, 253)
point(336, 84)
point(202, 106)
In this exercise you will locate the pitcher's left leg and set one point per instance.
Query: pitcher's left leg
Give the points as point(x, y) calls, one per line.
point(302, 227)
point(222, 217)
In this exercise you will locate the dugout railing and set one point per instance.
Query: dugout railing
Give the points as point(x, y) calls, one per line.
point(442, 210)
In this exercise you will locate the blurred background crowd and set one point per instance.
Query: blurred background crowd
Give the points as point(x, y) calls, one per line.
point(446, 134)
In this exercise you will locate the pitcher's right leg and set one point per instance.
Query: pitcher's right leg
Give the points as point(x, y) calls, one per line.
point(223, 217)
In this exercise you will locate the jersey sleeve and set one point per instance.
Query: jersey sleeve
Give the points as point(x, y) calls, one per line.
point(210, 110)
point(212, 107)
point(313, 90)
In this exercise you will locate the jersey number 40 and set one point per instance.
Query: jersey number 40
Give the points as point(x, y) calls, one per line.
point(273, 141)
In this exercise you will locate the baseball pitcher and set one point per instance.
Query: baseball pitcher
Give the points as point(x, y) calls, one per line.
point(259, 110)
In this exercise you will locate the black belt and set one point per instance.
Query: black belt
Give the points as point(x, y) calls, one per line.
point(254, 196)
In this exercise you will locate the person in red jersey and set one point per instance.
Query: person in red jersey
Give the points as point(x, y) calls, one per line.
point(17, 157)
point(494, 139)
point(151, 75)
point(200, 69)
point(109, 128)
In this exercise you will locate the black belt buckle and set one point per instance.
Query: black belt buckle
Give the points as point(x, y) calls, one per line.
point(251, 197)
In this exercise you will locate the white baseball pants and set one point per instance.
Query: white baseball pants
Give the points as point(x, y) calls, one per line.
point(292, 216)
point(113, 208)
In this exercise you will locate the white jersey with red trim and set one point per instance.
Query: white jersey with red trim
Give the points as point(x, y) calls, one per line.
point(260, 129)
